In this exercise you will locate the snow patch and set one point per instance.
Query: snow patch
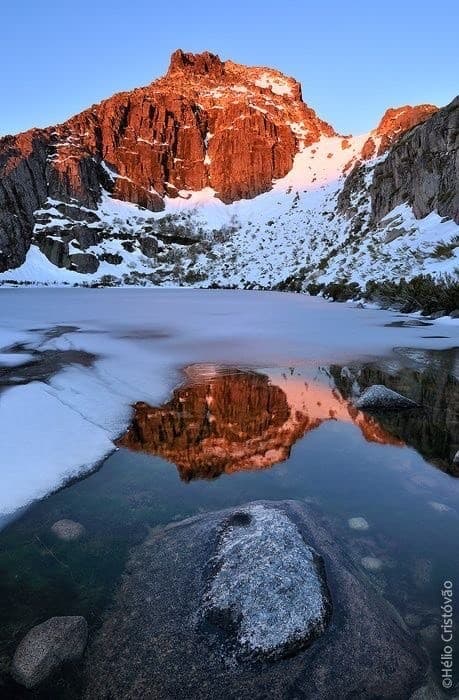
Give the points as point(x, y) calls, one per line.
point(276, 85)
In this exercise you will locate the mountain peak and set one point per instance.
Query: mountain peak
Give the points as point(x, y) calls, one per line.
point(400, 119)
point(395, 122)
point(205, 63)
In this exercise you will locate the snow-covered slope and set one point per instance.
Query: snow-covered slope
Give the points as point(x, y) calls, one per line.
point(296, 229)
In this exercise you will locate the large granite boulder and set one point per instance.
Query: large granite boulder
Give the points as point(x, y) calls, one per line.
point(252, 602)
point(47, 647)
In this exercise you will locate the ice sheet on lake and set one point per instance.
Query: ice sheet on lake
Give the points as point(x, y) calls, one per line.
point(142, 338)
point(43, 443)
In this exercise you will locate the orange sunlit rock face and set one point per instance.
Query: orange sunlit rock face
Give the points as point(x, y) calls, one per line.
point(234, 421)
point(394, 124)
point(207, 122)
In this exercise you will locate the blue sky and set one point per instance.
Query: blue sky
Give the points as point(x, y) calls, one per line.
point(354, 59)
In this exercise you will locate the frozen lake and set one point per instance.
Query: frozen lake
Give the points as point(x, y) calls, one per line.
point(74, 361)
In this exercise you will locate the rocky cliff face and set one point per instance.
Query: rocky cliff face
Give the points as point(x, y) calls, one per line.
point(207, 123)
point(422, 168)
point(393, 125)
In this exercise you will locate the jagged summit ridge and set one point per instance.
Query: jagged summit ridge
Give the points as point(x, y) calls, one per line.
point(395, 122)
point(205, 63)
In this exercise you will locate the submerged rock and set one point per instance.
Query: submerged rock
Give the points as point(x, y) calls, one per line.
point(227, 605)
point(372, 563)
point(46, 647)
point(440, 507)
point(422, 572)
point(268, 586)
point(380, 398)
point(428, 692)
point(358, 524)
point(68, 530)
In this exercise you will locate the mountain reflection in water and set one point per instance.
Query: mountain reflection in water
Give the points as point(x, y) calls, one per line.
point(431, 378)
point(223, 421)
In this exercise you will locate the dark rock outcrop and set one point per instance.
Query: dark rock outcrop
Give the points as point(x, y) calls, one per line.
point(157, 640)
point(23, 189)
point(84, 262)
point(422, 169)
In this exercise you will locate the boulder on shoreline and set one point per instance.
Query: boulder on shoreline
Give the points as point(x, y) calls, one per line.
point(46, 647)
point(205, 612)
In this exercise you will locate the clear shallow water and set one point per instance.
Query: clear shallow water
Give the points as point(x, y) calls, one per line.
point(295, 428)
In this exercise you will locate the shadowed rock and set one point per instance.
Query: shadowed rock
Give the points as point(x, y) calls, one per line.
point(421, 169)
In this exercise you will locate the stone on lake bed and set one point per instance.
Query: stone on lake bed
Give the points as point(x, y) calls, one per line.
point(372, 563)
point(358, 524)
point(68, 530)
point(413, 620)
point(46, 647)
point(422, 572)
point(236, 604)
point(440, 507)
point(379, 398)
